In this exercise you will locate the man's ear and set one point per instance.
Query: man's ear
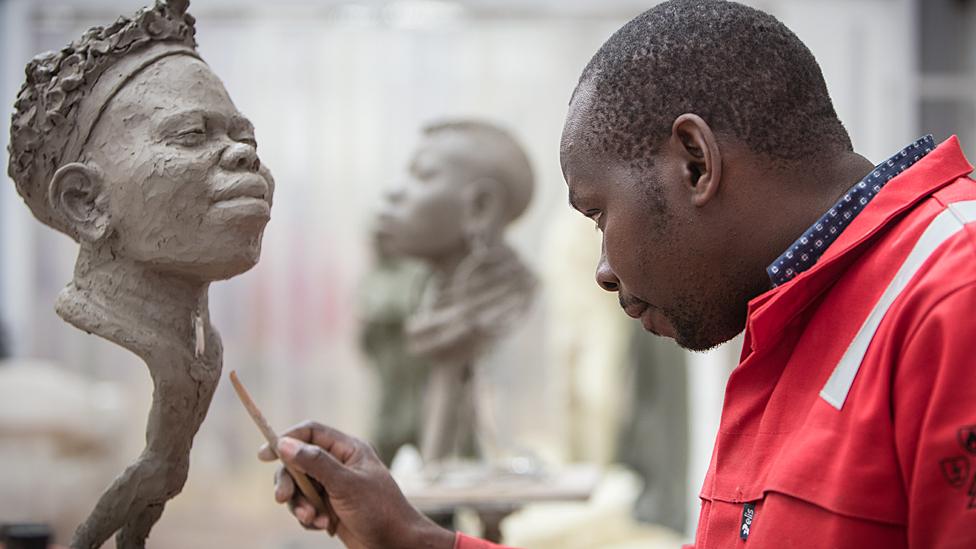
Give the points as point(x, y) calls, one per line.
point(484, 205)
point(699, 152)
point(77, 195)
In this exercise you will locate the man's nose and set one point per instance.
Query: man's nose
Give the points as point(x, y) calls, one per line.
point(240, 156)
point(605, 276)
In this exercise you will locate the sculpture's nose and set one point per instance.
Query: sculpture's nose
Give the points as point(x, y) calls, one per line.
point(240, 156)
point(394, 193)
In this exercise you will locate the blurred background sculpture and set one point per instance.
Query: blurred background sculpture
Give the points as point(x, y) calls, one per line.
point(468, 180)
point(127, 142)
point(4, 350)
point(389, 294)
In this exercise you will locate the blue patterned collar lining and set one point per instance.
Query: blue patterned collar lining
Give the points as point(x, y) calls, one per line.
point(807, 249)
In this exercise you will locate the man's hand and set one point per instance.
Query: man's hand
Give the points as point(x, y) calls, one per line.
point(373, 513)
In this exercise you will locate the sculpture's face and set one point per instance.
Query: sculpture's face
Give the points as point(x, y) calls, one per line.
point(424, 215)
point(185, 190)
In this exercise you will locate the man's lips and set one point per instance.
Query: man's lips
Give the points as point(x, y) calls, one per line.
point(635, 309)
point(633, 306)
point(651, 317)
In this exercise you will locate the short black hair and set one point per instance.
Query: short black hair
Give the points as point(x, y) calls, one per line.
point(742, 70)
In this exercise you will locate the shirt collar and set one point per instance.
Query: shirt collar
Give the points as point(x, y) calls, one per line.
point(807, 249)
point(774, 309)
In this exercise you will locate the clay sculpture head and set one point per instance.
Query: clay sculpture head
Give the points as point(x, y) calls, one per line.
point(127, 142)
point(467, 181)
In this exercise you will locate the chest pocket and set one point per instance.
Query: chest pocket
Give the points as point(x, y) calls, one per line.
point(849, 470)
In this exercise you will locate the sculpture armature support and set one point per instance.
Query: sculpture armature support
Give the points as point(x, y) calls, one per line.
point(126, 141)
point(388, 296)
point(468, 181)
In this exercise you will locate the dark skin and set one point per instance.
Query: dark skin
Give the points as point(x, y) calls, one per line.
point(686, 241)
point(372, 511)
point(689, 266)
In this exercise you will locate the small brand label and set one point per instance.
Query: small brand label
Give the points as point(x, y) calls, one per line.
point(748, 514)
point(967, 438)
point(955, 470)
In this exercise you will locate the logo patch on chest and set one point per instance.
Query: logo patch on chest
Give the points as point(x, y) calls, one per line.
point(967, 438)
point(972, 495)
point(955, 470)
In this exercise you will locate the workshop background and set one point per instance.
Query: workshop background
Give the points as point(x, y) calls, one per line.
point(338, 91)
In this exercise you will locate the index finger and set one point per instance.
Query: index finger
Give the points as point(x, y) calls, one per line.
point(342, 446)
point(266, 453)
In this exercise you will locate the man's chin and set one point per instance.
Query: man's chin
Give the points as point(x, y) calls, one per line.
point(701, 342)
point(692, 334)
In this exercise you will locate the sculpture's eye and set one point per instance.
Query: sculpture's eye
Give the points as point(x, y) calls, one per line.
point(247, 138)
point(425, 173)
point(191, 137)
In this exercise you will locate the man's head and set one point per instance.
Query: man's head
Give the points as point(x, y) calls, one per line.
point(126, 141)
point(671, 131)
point(467, 181)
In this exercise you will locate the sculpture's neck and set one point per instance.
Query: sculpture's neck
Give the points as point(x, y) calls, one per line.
point(443, 268)
point(467, 306)
point(150, 313)
point(446, 269)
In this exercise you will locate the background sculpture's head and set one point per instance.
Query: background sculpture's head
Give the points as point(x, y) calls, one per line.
point(467, 181)
point(126, 141)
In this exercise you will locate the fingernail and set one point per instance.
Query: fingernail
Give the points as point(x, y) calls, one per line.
point(302, 515)
point(288, 447)
point(321, 522)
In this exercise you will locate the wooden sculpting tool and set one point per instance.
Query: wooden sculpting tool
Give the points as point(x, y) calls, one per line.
point(301, 480)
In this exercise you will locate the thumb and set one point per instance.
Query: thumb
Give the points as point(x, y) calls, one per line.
point(311, 459)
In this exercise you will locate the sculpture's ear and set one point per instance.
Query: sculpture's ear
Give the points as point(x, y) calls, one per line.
point(77, 196)
point(485, 204)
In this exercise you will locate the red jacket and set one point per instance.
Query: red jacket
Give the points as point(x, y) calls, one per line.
point(850, 421)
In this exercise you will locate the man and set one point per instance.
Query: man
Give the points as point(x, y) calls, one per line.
point(702, 142)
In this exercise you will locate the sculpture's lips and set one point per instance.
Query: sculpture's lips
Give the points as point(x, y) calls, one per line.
point(251, 186)
point(385, 225)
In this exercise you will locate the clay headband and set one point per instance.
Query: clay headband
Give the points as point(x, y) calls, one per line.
point(90, 108)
